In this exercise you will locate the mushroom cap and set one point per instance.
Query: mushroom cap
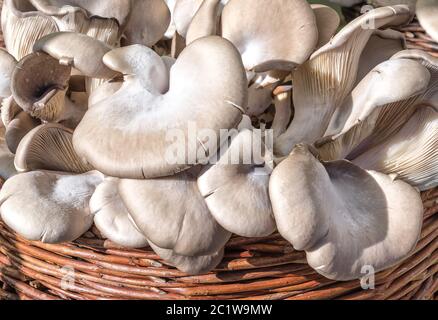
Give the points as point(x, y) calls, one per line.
point(236, 188)
point(49, 147)
point(183, 13)
point(22, 26)
point(327, 21)
point(7, 168)
point(325, 209)
point(39, 84)
point(110, 9)
point(144, 149)
point(410, 153)
point(103, 91)
point(18, 128)
point(112, 218)
point(427, 12)
point(346, 3)
point(147, 23)
point(205, 21)
point(48, 206)
point(323, 83)
point(191, 230)
point(78, 50)
point(190, 265)
point(7, 66)
point(260, 34)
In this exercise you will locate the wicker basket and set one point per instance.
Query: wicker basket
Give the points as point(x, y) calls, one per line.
point(263, 268)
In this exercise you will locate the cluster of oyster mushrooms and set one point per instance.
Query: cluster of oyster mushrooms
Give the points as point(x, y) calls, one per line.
point(91, 90)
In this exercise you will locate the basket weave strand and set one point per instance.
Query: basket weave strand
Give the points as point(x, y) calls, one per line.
point(266, 268)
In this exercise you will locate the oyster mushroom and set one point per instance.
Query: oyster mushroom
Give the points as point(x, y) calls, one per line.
point(259, 33)
point(427, 12)
point(7, 66)
point(49, 147)
point(205, 21)
point(190, 99)
point(48, 206)
point(322, 83)
point(190, 265)
point(344, 217)
point(191, 230)
point(183, 13)
point(112, 218)
point(78, 51)
point(236, 188)
point(39, 85)
point(7, 168)
point(327, 22)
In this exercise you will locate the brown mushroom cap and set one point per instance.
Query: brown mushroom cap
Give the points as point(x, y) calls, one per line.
point(260, 34)
point(49, 147)
point(39, 84)
point(142, 134)
point(325, 209)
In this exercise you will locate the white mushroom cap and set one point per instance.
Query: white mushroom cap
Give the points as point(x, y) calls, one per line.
point(427, 13)
point(190, 265)
point(142, 134)
point(327, 21)
point(79, 51)
point(322, 83)
point(236, 188)
point(173, 204)
point(183, 13)
point(344, 217)
point(112, 218)
point(411, 153)
point(49, 147)
point(48, 206)
point(7, 66)
point(270, 35)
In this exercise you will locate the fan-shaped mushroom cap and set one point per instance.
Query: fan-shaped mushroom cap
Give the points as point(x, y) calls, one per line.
point(384, 3)
point(236, 188)
point(190, 265)
point(49, 147)
point(79, 51)
point(7, 66)
point(377, 110)
point(18, 127)
point(109, 9)
point(325, 209)
point(191, 230)
point(411, 153)
point(112, 218)
point(147, 23)
point(103, 91)
point(271, 35)
point(183, 13)
point(39, 84)
point(22, 26)
point(427, 13)
point(7, 168)
point(205, 21)
point(322, 83)
point(142, 134)
point(48, 206)
point(327, 21)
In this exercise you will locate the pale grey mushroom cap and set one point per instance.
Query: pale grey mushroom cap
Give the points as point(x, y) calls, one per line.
point(190, 265)
point(183, 13)
point(325, 210)
point(79, 51)
point(327, 21)
point(236, 188)
point(427, 13)
point(7, 66)
point(7, 168)
point(48, 206)
point(323, 83)
point(112, 218)
point(49, 147)
point(144, 150)
point(271, 35)
point(173, 204)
